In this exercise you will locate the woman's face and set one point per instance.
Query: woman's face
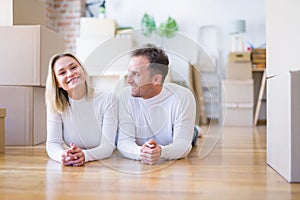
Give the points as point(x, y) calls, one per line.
point(69, 75)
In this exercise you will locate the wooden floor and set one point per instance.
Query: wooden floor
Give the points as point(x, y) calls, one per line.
point(226, 164)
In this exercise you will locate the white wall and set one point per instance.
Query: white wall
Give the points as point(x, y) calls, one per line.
point(191, 14)
point(283, 30)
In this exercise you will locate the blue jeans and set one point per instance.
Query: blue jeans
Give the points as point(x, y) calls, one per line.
point(195, 136)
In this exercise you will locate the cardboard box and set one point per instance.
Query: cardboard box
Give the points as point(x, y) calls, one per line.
point(238, 99)
point(283, 117)
point(239, 57)
point(236, 91)
point(25, 122)
point(85, 46)
point(2, 129)
point(22, 12)
point(25, 52)
point(111, 81)
point(238, 114)
point(110, 53)
point(239, 70)
point(95, 27)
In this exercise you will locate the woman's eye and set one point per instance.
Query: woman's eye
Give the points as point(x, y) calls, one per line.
point(61, 73)
point(74, 67)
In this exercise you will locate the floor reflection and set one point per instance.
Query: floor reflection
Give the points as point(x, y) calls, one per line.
point(119, 163)
point(212, 134)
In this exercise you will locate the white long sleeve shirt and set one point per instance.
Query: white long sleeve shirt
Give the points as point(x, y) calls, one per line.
point(91, 125)
point(168, 118)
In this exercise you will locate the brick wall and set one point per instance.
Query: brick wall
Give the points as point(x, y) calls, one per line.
point(63, 16)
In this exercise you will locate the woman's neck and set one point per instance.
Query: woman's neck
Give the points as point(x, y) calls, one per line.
point(78, 93)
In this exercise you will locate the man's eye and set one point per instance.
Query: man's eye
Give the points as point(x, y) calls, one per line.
point(133, 74)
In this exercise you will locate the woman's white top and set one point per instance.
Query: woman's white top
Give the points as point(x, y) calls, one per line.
point(91, 125)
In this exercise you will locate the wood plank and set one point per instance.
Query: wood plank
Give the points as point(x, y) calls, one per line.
point(260, 97)
point(235, 169)
point(197, 88)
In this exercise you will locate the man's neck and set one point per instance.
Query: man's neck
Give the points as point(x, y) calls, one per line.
point(155, 91)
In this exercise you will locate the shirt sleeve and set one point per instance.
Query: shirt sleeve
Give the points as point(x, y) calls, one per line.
point(182, 129)
point(54, 143)
point(127, 137)
point(109, 130)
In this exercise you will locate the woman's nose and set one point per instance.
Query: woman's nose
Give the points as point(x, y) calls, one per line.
point(69, 73)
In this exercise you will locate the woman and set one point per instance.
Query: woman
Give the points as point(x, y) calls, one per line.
point(77, 116)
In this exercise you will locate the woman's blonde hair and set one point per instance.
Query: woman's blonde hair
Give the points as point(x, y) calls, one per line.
point(57, 98)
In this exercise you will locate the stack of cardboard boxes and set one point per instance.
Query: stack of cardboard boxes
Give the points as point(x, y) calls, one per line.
point(100, 50)
point(25, 51)
point(238, 90)
point(92, 33)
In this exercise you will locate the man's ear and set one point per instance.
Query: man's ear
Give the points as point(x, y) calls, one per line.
point(157, 79)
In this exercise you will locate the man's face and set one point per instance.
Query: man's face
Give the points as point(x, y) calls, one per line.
point(139, 77)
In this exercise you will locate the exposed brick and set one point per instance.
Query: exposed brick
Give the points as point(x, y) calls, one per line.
point(63, 16)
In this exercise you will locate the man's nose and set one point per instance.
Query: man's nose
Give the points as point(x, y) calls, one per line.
point(129, 78)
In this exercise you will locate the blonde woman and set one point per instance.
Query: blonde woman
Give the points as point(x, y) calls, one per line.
point(77, 117)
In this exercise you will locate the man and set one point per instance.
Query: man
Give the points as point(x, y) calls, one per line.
point(156, 119)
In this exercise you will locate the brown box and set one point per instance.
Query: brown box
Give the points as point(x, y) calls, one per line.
point(25, 52)
point(239, 57)
point(238, 102)
point(259, 51)
point(97, 27)
point(25, 122)
point(259, 56)
point(238, 114)
point(239, 70)
point(2, 130)
point(23, 12)
point(238, 91)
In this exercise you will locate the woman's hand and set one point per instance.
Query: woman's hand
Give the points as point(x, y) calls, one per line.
point(73, 156)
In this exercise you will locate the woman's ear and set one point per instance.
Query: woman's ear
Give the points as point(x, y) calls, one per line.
point(58, 85)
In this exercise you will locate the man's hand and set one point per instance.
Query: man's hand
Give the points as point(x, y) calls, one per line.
point(73, 156)
point(150, 152)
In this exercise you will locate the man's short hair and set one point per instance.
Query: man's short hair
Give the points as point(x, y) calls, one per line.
point(158, 59)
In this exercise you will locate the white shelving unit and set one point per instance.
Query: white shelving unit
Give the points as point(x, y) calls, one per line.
point(208, 38)
point(212, 94)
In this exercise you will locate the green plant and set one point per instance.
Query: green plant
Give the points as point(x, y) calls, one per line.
point(167, 29)
point(148, 25)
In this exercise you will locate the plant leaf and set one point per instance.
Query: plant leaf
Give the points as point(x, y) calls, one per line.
point(148, 25)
